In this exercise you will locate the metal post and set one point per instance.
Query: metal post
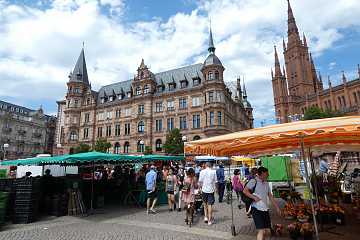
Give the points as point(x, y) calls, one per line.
point(233, 230)
point(309, 185)
point(92, 187)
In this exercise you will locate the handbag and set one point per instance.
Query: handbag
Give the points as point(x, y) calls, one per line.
point(248, 201)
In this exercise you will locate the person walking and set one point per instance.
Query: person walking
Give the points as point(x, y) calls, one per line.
point(180, 183)
point(220, 174)
point(237, 186)
point(207, 182)
point(188, 195)
point(258, 190)
point(150, 181)
point(170, 186)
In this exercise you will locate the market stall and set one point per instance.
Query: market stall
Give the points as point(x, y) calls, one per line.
point(335, 134)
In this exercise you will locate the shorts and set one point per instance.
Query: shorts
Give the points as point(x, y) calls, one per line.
point(152, 195)
point(208, 198)
point(261, 218)
point(170, 192)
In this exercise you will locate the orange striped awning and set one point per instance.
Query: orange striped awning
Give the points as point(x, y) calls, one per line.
point(332, 134)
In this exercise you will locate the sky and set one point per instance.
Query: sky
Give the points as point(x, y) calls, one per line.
point(40, 41)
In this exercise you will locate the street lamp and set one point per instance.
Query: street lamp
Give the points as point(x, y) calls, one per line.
point(6, 145)
point(184, 139)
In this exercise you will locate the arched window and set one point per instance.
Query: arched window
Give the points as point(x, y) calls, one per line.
point(217, 75)
point(146, 89)
point(196, 138)
point(138, 90)
point(88, 101)
point(73, 135)
point(210, 75)
point(158, 145)
point(140, 146)
point(126, 147)
point(141, 127)
point(117, 148)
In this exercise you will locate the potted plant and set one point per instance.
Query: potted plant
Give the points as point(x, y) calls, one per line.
point(307, 231)
point(294, 230)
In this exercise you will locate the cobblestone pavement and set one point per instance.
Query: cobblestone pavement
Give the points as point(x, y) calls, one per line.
point(132, 223)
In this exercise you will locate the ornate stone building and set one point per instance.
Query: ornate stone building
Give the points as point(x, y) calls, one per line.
point(138, 112)
point(25, 132)
point(298, 86)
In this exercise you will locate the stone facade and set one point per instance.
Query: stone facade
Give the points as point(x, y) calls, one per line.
point(139, 112)
point(298, 86)
point(27, 132)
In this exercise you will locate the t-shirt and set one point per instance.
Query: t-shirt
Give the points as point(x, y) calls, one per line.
point(208, 180)
point(262, 190)
point(150, 180)
point(324, 166)
point(220, 173)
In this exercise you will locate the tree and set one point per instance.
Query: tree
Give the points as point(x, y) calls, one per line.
point(102, 145)
point(174, 144)
point(316, 113)
point(81, 148)
point(148, 150)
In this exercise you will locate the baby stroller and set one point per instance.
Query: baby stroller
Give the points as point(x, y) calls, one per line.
point(198, 202)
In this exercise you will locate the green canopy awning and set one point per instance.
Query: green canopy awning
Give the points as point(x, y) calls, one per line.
point(90, 157)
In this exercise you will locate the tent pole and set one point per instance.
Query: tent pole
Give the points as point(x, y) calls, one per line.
point(92, 188)
point(233, 230)
point(309, 185)
point(315, 179)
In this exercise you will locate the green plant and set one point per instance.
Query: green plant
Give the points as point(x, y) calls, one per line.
point(174, 144)
point(102, 145)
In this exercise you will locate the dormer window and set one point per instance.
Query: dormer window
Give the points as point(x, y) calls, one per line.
point(129, 94)
point(77, 90)
point(78, 76)
point(146, 89)
point(160, 88)
point(88, 101)
point(138, 90)
point(120, 96)
point(102, 100)
point(183, 84)
point(196, 81)
point(172, 86)
point(111, 98)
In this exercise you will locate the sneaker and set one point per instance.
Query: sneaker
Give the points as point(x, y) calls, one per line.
point(206, 220)
point(147, 212)
point(153, 211)
point(210, 223)
point(179, 209)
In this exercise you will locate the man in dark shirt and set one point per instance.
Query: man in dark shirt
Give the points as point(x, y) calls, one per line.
point(220, 174)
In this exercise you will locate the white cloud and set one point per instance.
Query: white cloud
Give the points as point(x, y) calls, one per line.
point(40, 46)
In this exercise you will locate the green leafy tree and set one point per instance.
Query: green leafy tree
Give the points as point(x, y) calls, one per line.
point(102, 145)
point(148, 150)
point(316, 113)
point(174, 144)
point(82, 148)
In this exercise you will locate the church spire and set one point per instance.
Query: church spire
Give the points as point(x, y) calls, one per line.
point(79, 73)
point(211, 48)
point(359, 70)
point(304, 40)
point(238, 88)
point(329, 82)
point(244, 91)
point(277, 64)
point(293, 32)
point(343, 77)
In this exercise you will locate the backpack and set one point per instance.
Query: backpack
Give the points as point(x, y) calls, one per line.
point(246, 199)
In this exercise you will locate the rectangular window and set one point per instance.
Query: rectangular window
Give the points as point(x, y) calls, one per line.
point(170, 105)
point(117, 113)
point(127, 112)
point(355, 97)
point(117, 130)
point(219, 118)
point(100, 116)
point(171, 86)
point(196, 121)
point(141, 109)
point(183, 123)
point(86, 133)
point(127, 128)
point(211, 96)
point(108, 131)
point(159, 125)
point(87, 117)
point(170, 124)
point(211, 119)
point(158, 107)
point(196, 101)
point(183, 84)
point(99, 132)
point(182, 103)
point(108, 115)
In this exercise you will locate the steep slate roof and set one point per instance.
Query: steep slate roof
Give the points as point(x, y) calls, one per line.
point(80, 68)
point(19, 110)
point(175, 75)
